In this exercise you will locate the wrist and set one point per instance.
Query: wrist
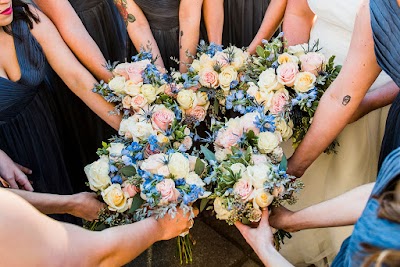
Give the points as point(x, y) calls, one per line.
point(70, 203)
point(154, 229)
point(265, 254)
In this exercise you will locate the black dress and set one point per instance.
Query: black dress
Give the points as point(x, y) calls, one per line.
point(385, 22)
point(28, 131)
point(163, 18)
point(81, 130)
point(242, 19)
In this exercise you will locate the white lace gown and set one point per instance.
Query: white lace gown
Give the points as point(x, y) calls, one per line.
point(356, 161)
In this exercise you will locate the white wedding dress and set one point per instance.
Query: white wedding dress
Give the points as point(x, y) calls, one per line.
point(356, 161)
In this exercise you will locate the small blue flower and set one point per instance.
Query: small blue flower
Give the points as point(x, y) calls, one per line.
point(113, 169)
point(153, 142)
point(233, 84)
point(180, 182)
point(117, 179)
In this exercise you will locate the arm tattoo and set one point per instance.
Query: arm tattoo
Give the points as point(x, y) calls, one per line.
point(346, 100)
point(180, 39)
point(121, 5)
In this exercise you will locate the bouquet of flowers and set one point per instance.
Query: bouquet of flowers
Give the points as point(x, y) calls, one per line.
point(249, 169)
point(289, 82)
point(215, 71)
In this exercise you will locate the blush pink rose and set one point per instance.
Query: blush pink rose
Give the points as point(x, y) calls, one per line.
point(247, 122)
point(130, 189)
point(126, 102)
point(162, 119)
point(279, 100)
point(169, 88)
point(243, 188)
point(312, 62)
point(135, 74)
point(209, 78)
point(286, 73)
point(120, 70)
point(168, 192)
point(226, 138)
point(221, 59)
point(138, 102)
point(198, 112)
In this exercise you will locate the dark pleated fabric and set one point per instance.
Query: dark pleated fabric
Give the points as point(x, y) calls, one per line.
point(242, 20)
point(28, 131)
point(385, 22)
point(370, 229)
point(81, 130)
point(163, 18)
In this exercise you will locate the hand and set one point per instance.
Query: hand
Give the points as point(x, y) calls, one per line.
point(260, 237)
point(85, 205)
point(172, 227)
point(292, 169)
point(280, 218)
point(13, 173)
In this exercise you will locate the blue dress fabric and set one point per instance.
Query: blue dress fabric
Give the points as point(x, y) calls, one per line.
point(385, 22)
point(80, 129)
point(28, 131)
point(370, 229)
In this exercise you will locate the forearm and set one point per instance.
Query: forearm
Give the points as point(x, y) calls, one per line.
point(270, 257)
point(327, 213)
point(189, 30)
point(76, 36)
point(273, 17)
point(379, 98)
point(298, 22)
point(213, 13)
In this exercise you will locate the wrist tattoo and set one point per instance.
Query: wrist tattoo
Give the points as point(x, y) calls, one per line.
point(122, 8)
point(346, 100)
point(180, 39)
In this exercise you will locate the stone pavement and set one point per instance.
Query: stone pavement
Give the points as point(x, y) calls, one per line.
point(217, 245)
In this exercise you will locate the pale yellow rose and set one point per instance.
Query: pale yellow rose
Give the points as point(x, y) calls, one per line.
point(98, 174)
point(202, 98)
point(187, 99)
point(285, 129)
point(287, 58)
point(262, 199)
point(268, 81)
point(116, 199)
point(226, 77)
point(117, 84)
point(149, 92)
point(304, 82)
point(221, 212)
point(132, 89)
point(267, 142)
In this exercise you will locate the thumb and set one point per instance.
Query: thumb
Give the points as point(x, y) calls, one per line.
point(264, 218)
point(241, 227)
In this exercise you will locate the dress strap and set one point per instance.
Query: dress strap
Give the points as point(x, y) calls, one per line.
point(389, 171)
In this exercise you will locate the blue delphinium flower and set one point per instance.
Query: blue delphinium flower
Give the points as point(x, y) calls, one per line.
point(143, 55)
point(117, 179)
point(112, 168)
point(305, 99)
point(135, 147)
point(266, 123)
point(233, 84)
point(153, 142)
point(180, 182)
point(213, 48)
point(190, 81)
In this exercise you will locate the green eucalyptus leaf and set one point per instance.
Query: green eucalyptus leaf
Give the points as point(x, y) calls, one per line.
point(260, 51)
point(136, 203)
point(199, 167)
point(128, 171)
point(283, 164)
point(208, 154)
point(203, 204)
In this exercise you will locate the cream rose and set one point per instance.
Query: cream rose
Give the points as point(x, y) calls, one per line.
point(149, 92)
point(209, 78)
point(194, 179)
point(178, 165)
point(205, 62)
point(258, 175)
point(267, 142)
point(253, 90)
point(141, 130)
point(196, 65)
point(284, 128)
point(154, 162)
point(297, 50)
point(98, 174)
point(268, 81)
point(313, 62)
point(115, 149)
point(116, 199)
point(221, 212)
point(132, 89)
point(187, 99)
point(126, 102)
point(287, 73)
point(304, 82)
point(202, 98)
point(238, 168)
point(168, 192)
point(226, 77)
point(262, 199)
point(117, 84)
point(239, 57)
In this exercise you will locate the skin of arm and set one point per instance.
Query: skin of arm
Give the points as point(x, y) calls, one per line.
point(213, 13)
point(75, 76)
point(13, 173)
point(273, 17)
point(261, 240)
point(343, 97)
point(376, 99)
point(76, 36)
point(324, 214)
point(298, 22)
point(140, 32)
point(189, 30)
point(83, 205)
point(62, 244)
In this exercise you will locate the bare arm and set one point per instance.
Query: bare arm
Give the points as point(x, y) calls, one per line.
point(13, 173)
point(298, 22)
point(343, 97)
point(83, 205)
point(140, 32)
point(273, 17)
point(23, 227)
point(376, 99)
point(76, 36)
point(324, 214)
point(213, 13)
point(76, 77)
point(189, 30)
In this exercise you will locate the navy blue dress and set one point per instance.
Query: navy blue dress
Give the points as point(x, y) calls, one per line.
point(28, 131)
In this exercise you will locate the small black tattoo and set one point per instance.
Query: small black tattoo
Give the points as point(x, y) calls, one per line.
point(180, 40)
point(346, 100)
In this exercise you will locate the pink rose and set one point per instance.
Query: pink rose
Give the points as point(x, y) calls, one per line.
point(226, 138)
point(168, 191)
point(287, 73)
point(247, 122)
point(198, 112)
point(126, 102)
point(187, 142)
point(209, 78)
point(259, 159)
point(162, 119)
point(138, 102)
point(221, 59)
point(169, 88)
point(120, 70)
point(135, 74)
point(148, 152)
point(243, 188)
point(312, 62)
point(279, 100)
point(130, 189)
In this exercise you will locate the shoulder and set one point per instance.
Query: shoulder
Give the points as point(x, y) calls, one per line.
point(43, 26)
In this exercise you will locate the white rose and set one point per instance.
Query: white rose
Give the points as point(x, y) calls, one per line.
point(164, 171)
point(187, 99)
point(202, 98)
point(205, 61)
point(154, 162)
point(132, 89)
point(98, 174)
point(115, 149)
point(117, 84)
point(149, 92)
point(194, 179)
point(268, 81)
point(304, 82)
point(262, 199)
point(196, 65)
point(116, 199)
point(252, 90)
point(238, 168)
point(284, 128)
point(259, 159)
point(239, 57)
point(258, 174)
point(221, 212)
point(297, 50)
point(178, 165)
point(221, 154)
point(141, 130)
point(267, 142)
point(226, 77)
